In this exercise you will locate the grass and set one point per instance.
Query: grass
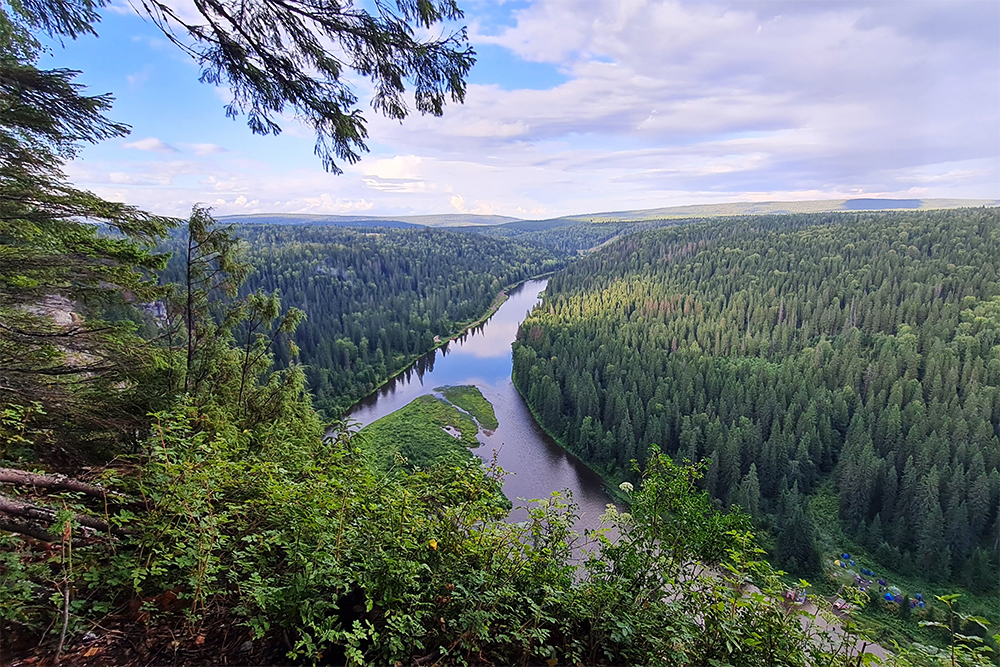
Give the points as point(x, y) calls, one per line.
point(417, 432)
point(430, 429)
point(471, 400)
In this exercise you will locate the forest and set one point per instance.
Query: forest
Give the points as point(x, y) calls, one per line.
point(225, 523)
point(790, 351)
point(374, 298)
point(567, 235)
point(169, 493)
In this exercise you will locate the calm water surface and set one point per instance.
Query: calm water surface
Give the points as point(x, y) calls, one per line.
point(482, 357)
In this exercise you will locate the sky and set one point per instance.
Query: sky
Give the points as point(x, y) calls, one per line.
point(583, 106)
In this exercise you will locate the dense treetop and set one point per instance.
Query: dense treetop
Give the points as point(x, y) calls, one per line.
point(376, 298)
point(789, 348)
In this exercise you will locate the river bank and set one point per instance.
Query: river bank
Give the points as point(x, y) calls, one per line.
point(439, 343)
point(483, 358)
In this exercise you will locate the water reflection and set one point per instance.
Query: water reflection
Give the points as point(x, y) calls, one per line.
point(482, 357)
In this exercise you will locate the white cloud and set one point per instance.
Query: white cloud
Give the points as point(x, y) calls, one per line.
point(486, 128)
point(327, 204)
point(139, 79)
point(661, 103)
point(205, 149)
point(398, 185)
point(398, 167)
point(151, 144)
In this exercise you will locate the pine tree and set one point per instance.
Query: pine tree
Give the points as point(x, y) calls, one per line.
point(796, 548)
point(932, 552)
point(748, 493)
point(74, 269)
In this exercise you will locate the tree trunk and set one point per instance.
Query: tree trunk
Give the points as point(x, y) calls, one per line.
point(39, 518)
point(58, 482)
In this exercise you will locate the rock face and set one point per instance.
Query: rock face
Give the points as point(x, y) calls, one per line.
point(59, 308)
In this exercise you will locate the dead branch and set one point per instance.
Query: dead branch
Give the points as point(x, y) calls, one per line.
point(17, 477)
point(47, 516)
point(27, 529)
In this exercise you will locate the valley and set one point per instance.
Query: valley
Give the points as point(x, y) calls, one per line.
point(662, 337)
point(621, 391)
point(672, 395)
point(549, 333)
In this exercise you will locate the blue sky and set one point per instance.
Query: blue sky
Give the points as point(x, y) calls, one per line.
point(591, 105)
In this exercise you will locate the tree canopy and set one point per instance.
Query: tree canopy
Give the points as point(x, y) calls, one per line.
point(791, 350)
point(375, 298)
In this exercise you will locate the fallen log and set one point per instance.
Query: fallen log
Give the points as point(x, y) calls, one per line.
point(17, 477)
point(28, 530)
point(40, 517)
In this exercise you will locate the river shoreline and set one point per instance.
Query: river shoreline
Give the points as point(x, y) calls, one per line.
point(483, 358)
point(610, 485)
point(463, 329)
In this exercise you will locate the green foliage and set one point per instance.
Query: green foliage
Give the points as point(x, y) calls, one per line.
point(796, 550)
point(18, 435)
point(220, 346)
point(788, 349)
point(213, 270)
point(470, 399)
point(444, 575)
point(962, 649)
point(69, 291)
point(21, 584)
point(309, 546)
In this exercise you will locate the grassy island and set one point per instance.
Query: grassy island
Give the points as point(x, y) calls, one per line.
point(470, 399)
point(430, 428)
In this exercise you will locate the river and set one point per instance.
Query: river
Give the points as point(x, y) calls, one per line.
point(537, 466)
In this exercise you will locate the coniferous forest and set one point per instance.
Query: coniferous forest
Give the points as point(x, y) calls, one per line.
point(170, 493)
point(793, 351)
point(374, 298)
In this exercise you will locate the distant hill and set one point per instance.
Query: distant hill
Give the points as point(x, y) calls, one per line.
point(513, 226)
point(584, 233)
point(771, 207)
point(458, 220)
point(399, 222)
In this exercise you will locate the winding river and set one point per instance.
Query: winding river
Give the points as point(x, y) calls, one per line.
point(537, 466)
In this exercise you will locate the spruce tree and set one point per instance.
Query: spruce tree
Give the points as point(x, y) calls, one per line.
point(75, 269)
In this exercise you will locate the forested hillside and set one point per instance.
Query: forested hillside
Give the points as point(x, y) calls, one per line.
point(567, 234)
point(376, 298)
point(787, 349)
point(581, 233)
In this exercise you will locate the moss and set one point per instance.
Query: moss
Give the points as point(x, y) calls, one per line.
point(471, 400)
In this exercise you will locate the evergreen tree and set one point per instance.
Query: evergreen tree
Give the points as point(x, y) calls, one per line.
point(74, 269)
point(748, 495)
point(796, 547)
